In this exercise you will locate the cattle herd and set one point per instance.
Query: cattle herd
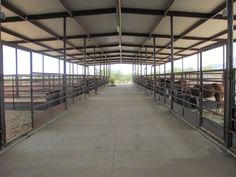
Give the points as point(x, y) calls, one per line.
point(186, 93)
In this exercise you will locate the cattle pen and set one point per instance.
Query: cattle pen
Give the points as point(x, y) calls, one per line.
point(56, 60)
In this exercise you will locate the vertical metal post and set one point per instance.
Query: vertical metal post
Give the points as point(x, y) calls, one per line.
point(94, 70)
point(201, 91)
point(154, 65)
point(43, 77)
point(64, 63)
point(17, 78)
point(223, 57)
point(133, 70)
point(141, 64)
point(110, 71)
point(104, 69)
point(73, 83)
point(2, 106)
point(172, 62)
point(159, 85)
point(137, 67)
point(31, 90)
point(100, 69)
point(146, 68)
point(85, 77)
point(229, 79)
point(165, 82)
point(198, 67)
point(152, 86)
point(58, 74)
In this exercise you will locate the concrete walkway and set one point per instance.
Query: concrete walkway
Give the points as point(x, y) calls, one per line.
point(118, 133)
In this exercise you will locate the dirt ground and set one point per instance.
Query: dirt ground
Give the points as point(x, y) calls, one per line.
point(17, 123)
point(214, 117)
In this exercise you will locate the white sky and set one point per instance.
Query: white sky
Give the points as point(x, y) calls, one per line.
point(124, 68)
point(212, 57)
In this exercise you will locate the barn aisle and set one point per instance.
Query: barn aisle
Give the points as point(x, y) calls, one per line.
point(119, 132)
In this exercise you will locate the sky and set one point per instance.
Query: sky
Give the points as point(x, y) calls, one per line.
point(124, 68)
point(212, 57)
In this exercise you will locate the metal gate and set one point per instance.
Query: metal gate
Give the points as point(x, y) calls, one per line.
point(232, 127)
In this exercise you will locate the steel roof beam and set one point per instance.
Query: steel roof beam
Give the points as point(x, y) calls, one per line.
point(118, 51)
point(116, 59)
point(27, 39)
point(23, 16)
point(103, 11)
point(198, 23)
point(78, 21)
point(165, 36)
point(201, 42)
point(155, 25)
point(116, 45)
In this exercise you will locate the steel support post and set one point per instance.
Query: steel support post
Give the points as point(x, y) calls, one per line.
point(134, 71)
point(73, 83)
point(109, 70)
point(85, 77)
point(104, 68)
point(201, 90)
point(141, 65)
point(155, 74)
point(229, 79)
point(100, 69)
point(146, 69)
point(31, 90)
point(43, 76)
point(94, 70)
point(165, 82)
point(17, 78)
point(198, 68)
point(159, 85)
point(224, 52)
point(172, 62)
point(64, 63)
point(137, 65)
point(2, 106)
point(105, 71)
point(152, 79)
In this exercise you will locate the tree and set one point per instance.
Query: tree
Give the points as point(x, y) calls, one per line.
point(119, 77)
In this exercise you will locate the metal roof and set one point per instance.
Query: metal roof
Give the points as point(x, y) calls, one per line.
point(38, 25)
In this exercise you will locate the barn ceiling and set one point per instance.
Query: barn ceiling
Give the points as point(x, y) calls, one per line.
point(119, 30)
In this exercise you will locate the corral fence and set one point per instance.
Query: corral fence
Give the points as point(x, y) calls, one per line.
point(198, 97)
point(32, 100)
